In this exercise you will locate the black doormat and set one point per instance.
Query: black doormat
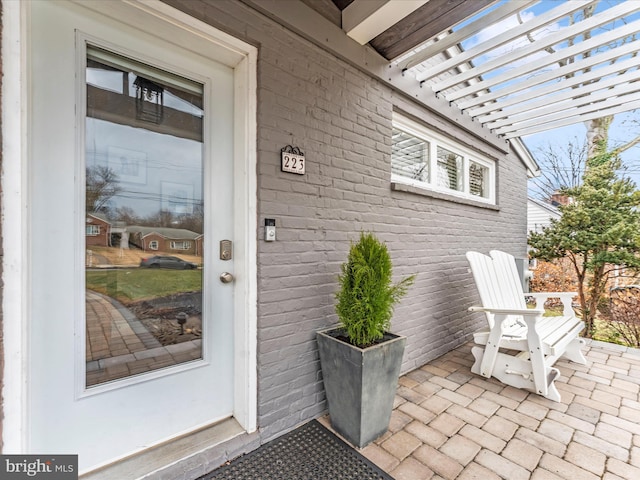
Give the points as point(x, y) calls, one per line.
point(310, 452)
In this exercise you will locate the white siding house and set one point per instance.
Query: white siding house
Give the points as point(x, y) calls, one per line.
point(540, 214)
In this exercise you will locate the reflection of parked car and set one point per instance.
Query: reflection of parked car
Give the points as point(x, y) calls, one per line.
point(165, 261)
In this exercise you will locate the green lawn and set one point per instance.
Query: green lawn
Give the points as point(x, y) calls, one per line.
point(605, 333)
point(134, 284)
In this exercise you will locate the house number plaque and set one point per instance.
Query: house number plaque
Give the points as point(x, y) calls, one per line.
point(293, 160)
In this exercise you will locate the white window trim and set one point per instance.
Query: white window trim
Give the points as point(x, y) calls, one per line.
point(92, 230)
point(153, 245)
point(186, 245)
point(434, 141)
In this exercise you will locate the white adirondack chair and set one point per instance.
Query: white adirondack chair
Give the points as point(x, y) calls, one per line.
point(521, 345)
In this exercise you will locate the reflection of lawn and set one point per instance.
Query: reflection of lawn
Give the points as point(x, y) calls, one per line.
point(133, 284)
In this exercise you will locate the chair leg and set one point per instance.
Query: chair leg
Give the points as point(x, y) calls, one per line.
point(552, 391)
point(519, 373)
point(574, 351)
point(492, 348)
point(478, 354)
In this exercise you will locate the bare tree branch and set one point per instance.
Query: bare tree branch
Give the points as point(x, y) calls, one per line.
point(626, 146)
point(561, 166)
point(102, 185)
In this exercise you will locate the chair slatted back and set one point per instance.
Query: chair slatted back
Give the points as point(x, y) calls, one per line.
point(497, 284)
point(485, 278)
point(508, 276)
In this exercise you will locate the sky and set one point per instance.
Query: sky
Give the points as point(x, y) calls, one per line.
point(622, 130)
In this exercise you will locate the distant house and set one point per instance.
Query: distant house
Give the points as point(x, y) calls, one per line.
point(539, 214)
point(159, 239)
point(97, 230)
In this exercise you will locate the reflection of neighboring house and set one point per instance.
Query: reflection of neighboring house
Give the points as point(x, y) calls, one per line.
point(97, 230)
point(539, 214)
point(175, 240)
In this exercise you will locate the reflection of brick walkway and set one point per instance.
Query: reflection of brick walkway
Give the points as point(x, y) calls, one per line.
point(119, 345)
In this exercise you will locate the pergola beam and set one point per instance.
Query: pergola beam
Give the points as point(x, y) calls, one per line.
point(572, 120)
point(454, 38)
point(310, 25)
point(582, 62)
point(363, 20)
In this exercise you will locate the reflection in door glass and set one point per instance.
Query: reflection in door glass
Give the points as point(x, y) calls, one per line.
point(144, 218)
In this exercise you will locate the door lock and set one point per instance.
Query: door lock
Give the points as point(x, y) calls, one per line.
point(226, 249)
point(226, 277)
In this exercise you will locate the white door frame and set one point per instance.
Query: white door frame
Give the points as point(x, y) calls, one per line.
point(15, 193)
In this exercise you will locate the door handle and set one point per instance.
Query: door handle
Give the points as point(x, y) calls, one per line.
point(226, 277)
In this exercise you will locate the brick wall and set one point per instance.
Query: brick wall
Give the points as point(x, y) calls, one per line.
point(341, 119)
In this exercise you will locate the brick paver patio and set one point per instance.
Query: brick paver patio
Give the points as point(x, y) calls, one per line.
point(451, 424)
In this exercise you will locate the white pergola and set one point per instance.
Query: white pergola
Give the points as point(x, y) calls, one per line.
point(558, 67)
point(547, 64)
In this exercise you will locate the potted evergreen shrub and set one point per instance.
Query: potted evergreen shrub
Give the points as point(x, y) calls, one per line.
point(360, 359)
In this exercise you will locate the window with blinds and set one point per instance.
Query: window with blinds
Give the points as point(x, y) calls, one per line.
point(450, 169)
point(409, 156)
point(478, 180)
point(425, 159)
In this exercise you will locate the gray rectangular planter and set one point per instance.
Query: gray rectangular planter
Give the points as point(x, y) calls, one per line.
point(360, 384)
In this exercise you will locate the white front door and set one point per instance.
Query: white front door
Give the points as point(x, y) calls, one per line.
point(132, 223)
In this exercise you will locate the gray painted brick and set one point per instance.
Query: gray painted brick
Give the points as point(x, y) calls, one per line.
point(341, 119)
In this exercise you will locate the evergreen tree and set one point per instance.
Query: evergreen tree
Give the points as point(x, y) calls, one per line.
point(598, 230)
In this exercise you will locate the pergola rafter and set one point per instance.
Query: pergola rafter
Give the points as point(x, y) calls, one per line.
point(499, 40)
point(566, 74)
point(454, 38)
point(559, 102)
point(572, 120)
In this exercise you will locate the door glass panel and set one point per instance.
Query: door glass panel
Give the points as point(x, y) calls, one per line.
point(144, 218)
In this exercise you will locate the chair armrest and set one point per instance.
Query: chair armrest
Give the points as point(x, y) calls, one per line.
point(509, 311)
point(565, 298)
point(551, 294)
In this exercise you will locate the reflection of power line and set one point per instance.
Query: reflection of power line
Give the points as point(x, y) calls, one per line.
point(103, 158)
point(158, 198)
